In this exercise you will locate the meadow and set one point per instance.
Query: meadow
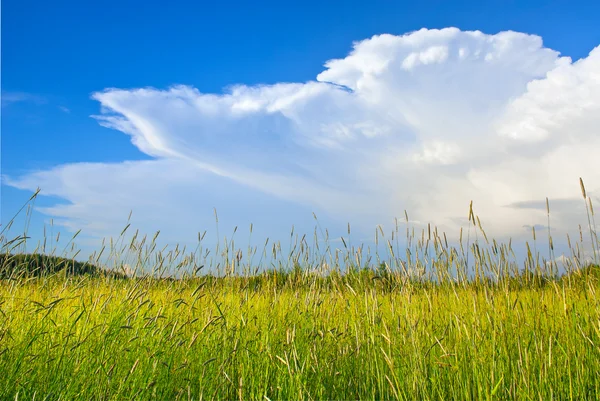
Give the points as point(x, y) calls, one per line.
point(433, 322)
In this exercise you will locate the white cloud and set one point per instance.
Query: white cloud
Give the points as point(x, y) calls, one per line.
point(435, 54)
point(425, 122)
point(17, 97)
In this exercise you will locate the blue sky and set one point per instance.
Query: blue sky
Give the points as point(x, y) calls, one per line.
point(268, 167)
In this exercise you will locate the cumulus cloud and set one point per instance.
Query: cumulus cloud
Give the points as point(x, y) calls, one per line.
point(423, 122)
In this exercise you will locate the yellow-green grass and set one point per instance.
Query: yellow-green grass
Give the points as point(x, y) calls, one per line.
point(104, 338)
point(441, 323)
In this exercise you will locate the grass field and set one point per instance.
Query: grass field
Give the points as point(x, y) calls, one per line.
point(397, 328)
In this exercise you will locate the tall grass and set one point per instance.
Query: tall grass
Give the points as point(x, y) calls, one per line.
point(427, 321)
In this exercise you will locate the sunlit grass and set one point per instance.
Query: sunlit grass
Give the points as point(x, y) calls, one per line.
point(422, 325)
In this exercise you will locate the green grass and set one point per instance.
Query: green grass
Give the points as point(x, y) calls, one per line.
point(98, 338)
point(387, 328)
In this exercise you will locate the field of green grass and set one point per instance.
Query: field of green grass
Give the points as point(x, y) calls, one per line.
point(391, 327)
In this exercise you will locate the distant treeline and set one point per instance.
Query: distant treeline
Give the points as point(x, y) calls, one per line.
point(37, 264)
point(381, 277)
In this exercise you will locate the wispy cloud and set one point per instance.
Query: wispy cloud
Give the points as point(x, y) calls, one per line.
point(17, 97)
point(424, 122)
point(64, 109)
